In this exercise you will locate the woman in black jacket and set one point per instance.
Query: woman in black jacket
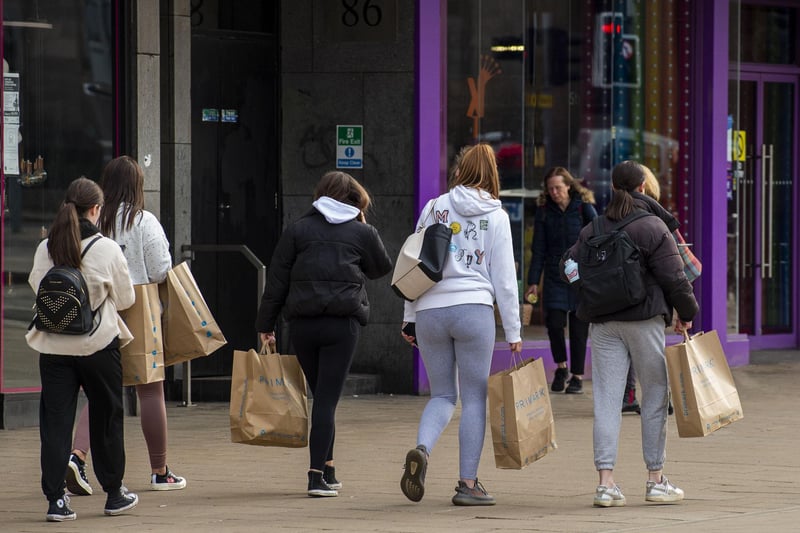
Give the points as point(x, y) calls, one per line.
point(563, 209)
point(635, 335)
point(317, 280)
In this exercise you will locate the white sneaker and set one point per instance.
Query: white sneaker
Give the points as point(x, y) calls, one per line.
point(664, 492)
point(608, 496)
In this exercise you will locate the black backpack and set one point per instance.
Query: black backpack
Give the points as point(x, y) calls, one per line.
point(611, 274)
point(62, 301)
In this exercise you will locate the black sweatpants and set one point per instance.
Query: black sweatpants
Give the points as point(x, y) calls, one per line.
point(325, 348)
point(100, 375)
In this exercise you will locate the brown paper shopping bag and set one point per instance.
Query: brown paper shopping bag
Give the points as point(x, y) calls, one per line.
point(523, 429)
point(703, 390)
point(268, 406)
point(190, 330)
point(143, 357)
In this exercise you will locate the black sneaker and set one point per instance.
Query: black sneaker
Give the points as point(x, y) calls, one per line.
point(629, 403)
point(318, 488)
point(120, 501)
point(329, 477)
point(559, 380)
point(59, 511)
point(413, 481)
point(169, 481)
point(476, 495)
point(77, 483)
point(575, 386)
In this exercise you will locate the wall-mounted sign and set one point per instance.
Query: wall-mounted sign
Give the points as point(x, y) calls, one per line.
point(350, 146)
point(230, 115)
point(210, 114)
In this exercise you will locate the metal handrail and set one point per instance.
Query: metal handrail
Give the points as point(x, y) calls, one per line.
point(262, 282)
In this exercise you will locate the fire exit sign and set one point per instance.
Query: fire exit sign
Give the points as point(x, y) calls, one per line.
point(350, 146)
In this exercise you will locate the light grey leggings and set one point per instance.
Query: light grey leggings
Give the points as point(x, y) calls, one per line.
point(611, 344)
point(456, 344)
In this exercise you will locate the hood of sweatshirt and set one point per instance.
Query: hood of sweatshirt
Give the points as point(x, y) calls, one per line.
point(335, 211)
point(468, 201)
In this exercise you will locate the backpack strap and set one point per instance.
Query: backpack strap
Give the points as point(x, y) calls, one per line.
point(618, 225)
point(90, 245)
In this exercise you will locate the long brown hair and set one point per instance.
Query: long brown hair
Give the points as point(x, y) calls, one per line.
point(64, 238)
point(625, 177)
point(477, 168)
point(123, 184)
point(344, 188)
point(576, 188)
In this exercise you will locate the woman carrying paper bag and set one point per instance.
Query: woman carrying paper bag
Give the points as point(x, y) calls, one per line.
point(636, 334)
point(317, 281)
point(146, 249)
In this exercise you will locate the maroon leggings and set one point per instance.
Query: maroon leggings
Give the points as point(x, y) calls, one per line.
point(154, 424)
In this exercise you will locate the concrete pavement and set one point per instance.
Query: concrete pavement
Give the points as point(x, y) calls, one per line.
point(741, 478)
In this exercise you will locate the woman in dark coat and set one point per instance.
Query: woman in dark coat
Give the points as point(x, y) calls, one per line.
point(564, 208)
point(317, 282)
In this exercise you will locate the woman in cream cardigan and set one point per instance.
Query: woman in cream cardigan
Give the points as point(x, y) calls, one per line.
point(91, 360)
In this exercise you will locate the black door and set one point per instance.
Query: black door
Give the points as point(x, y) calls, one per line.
point(234, 179)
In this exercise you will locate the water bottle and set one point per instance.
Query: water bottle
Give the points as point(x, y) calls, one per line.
point(571, 270)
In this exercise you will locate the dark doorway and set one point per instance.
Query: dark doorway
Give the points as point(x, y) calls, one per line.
point(234, 179)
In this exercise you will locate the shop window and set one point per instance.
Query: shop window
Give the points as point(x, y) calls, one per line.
point(582, 84)
point(58, 125)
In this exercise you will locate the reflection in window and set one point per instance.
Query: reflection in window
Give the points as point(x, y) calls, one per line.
point(58, 125)
point(577, 83)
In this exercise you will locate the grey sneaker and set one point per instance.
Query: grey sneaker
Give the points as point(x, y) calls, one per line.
point(476, 495)
point(413, 481)
point(608, 496)
point(664, 492)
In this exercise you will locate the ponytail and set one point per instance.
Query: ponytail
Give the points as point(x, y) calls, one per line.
point(64, 237)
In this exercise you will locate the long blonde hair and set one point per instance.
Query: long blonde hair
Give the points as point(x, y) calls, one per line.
point(651, 186)
point(477, 168)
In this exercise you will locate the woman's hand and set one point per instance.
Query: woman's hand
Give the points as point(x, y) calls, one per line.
point(267, 338)
point(681, 326)
point(532, 290)
point(515, 347)
point(408, 331)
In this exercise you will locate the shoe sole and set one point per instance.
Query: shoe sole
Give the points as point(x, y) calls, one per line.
point(168, 486)
point(75, 483)
point(663, 499)
point(321, 493)
point(61, 518)
point(573, 391)
point(609, 503)
point(472, 502)
point(413, 481)
point(115, 512)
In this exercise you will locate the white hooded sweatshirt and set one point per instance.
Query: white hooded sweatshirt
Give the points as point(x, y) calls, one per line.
point(480, 268)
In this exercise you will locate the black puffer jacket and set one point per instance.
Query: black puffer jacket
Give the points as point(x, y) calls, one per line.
point(666, 284)
point(319, 269)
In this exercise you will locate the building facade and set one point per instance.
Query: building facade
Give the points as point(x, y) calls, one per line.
point(233, 110)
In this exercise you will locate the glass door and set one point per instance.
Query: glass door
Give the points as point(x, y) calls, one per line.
point(763, 219)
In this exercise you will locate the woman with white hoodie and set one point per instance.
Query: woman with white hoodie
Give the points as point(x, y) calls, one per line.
point(453, 322)
point(317, 281)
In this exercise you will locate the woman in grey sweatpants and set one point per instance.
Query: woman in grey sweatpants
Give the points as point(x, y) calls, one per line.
point(635, 335)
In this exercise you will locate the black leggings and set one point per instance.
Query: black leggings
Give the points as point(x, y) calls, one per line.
point(555, 321)
point(325, 348)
